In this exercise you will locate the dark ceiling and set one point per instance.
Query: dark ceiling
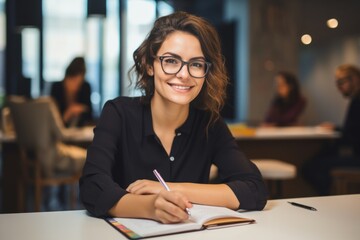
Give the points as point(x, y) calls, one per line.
point(314, 14)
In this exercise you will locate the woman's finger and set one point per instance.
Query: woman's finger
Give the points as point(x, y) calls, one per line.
point(170, 207)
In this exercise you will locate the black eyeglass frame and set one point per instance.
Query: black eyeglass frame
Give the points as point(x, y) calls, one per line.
point(343, 80)
point(161, 58)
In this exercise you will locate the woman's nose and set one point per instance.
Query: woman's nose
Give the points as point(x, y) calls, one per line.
point(183, 73)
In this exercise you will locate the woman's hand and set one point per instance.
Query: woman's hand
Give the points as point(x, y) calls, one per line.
point(327, 125)
point(74, 110)
point(171, 207)
point(164, 206)
point(144, 187)
point(168, 206)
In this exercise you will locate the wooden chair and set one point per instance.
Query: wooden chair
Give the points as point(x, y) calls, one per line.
point(38, 130)
point(346, 180)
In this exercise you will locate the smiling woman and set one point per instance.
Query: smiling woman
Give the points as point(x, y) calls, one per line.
point(174, 127)
point(178, 86)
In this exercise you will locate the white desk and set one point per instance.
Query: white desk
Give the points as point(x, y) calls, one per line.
point(338, 217)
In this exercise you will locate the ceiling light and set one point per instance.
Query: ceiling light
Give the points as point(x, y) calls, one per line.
point(306, 39)
point(332, 23)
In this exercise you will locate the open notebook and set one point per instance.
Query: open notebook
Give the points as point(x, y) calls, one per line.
point(202, 217)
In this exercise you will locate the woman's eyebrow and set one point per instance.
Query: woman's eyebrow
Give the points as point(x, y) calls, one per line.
point(178, 56)
point(198, 58)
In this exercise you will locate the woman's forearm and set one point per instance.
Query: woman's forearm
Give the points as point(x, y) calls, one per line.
point(209, 194)
point(134, 206)
point(166, 207)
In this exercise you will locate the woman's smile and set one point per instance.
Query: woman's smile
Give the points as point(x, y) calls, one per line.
point(179, 87)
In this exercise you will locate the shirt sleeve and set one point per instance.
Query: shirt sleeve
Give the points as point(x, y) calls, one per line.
point(238, 172)
point(351, 129)
point(98, 191)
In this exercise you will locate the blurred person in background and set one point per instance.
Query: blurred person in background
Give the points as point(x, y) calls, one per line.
point(345, 152)
point(72, 95)
point(288, 104)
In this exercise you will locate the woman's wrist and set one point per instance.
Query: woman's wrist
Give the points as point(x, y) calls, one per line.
point(135, 206)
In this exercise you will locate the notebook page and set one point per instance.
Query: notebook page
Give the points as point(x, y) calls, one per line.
point(146, 227)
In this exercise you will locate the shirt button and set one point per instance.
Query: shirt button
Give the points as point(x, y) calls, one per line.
point(172, 158)
point(179, 134)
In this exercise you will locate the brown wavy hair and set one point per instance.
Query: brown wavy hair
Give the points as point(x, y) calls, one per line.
point(212, 96)
point(294, 91)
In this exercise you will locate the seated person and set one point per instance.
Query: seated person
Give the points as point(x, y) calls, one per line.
point(40, 133)
point(288, 103)
point(72, 95)
point(346, 151)
point(174, 127)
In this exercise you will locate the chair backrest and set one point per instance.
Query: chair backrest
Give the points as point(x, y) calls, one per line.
point(38, 129)
point(37, 122)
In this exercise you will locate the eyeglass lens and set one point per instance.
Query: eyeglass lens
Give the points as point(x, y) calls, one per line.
point(343, 80)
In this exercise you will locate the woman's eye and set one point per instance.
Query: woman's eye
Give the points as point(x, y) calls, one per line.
point(197, 64)
point(171, 60)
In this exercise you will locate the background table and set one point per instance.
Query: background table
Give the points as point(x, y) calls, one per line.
point(338, 217)
point(294, 145)
point(291, 144)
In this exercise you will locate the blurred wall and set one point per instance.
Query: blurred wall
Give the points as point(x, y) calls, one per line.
point(273, 46)
point(317, 67)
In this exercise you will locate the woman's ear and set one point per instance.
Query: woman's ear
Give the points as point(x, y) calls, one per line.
point(150, 71)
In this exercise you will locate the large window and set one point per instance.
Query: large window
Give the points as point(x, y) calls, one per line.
point(68, 32)
point(141, 15)
point(111, 51)
point(64, 35)
point(31, 58)
point(103, 54)
point(2, 50)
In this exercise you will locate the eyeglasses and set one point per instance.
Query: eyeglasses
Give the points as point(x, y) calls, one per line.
point(197, 68)
point(343, 80)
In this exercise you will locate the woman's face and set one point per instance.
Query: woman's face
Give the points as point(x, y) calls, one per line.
point(73, 83)
point(282, 88)
point(179, 88)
